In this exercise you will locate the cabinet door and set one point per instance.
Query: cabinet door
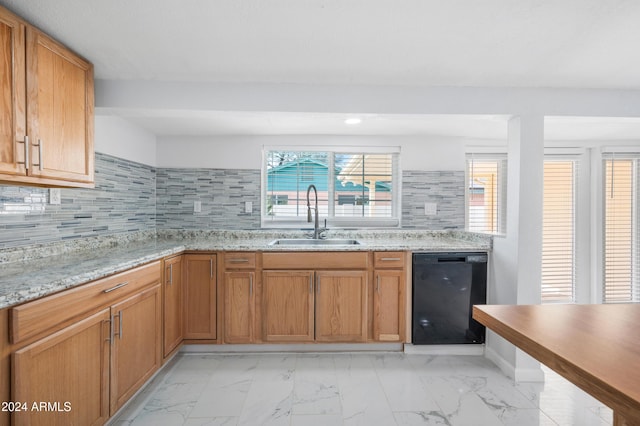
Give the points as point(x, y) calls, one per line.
point(12, 94)
point(69, 370)
point(59, 110)
point(173, 290)
point(341, 310)
point(238, 307)
point(287, 312)
point(388, 300)
point(136, 351)
point(200, 297)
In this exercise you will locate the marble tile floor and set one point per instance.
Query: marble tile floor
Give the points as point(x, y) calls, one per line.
point(383, 389)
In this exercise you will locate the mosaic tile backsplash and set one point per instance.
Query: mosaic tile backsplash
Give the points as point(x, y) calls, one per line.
point(124, 200)
point(221, 193)
point(445, 188)
point(131, 197)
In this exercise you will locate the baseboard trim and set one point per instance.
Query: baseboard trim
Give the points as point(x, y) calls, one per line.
point(517, 374)
point(294, 347)
point(444, 349)
point(506, 367)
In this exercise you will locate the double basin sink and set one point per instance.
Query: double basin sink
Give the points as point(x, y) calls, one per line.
point(314, 242)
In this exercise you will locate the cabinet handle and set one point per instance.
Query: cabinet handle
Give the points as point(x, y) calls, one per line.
point(39, 164)
point(378, 284)
point(250, 285)
point(26, 152)
point(119, 333)
point(389, 259)
point(171, 274)
point(119, 325)
point(210, 268)
point(109, 290)
point(239, 260)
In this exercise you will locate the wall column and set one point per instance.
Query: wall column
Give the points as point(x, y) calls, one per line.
point(515, 276)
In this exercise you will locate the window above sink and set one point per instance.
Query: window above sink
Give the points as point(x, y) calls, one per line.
point(356, 187)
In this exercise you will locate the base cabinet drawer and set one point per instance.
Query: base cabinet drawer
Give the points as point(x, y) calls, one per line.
point(61, 309)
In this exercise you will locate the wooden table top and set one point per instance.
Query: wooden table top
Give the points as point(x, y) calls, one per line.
point(597, 347)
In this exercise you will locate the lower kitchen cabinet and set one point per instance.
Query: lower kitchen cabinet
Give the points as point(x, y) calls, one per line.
point(68, 372)
point(388, 302)
point(200, 298)
point(287, 306)
point(239, 308)
point(136, 351)
point(172, 305)
point(341, 306)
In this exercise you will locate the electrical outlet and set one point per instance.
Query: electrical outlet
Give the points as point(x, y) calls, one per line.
point(248, 206)
point(55, 197)
point(197, 206)
point(430, 209)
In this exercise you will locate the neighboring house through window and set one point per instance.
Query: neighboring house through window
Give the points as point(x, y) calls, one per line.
point(354, 188)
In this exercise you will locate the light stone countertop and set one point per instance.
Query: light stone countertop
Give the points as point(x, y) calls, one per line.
point(30, 273)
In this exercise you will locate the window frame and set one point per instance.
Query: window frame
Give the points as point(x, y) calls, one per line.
point(271, 222)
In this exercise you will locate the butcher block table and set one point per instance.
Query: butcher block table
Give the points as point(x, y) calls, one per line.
point(596, 347)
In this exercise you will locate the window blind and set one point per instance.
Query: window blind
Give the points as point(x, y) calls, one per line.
point(486, 193)
point(621, 228)
point(558, 230)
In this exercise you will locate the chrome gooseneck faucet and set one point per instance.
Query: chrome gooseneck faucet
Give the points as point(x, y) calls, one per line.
point(316, 226)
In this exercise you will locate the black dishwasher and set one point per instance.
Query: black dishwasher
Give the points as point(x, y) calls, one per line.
point(445, 287)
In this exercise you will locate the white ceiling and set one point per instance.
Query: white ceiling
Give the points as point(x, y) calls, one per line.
point(488, 43)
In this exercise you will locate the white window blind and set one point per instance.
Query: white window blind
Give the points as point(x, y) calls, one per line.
point(559, 230)
point(621, 228)
point(486, 193)
point(354, 188)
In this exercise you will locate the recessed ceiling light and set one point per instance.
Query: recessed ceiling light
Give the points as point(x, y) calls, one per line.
point(353, 120)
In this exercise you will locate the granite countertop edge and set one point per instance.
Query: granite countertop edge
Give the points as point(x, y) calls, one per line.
point(20, 282)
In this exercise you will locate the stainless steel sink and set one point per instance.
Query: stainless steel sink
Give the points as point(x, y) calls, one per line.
point(313, 242)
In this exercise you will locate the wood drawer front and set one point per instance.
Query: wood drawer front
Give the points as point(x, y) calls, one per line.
point(239, 260)
point(388, 259)
point(315, 260)
point(59, 310)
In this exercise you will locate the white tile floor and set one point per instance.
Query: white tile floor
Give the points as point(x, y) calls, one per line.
point(354, 389)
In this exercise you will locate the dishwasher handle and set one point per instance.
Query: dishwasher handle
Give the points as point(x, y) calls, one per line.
point(452, 259)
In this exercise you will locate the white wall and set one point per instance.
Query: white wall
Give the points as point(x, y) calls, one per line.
point(244, 152)
point(120, 138)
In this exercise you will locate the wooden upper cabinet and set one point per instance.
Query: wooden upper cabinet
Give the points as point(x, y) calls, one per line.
point(287, 310)
point(341, 306)
point(12, 94)
point(47, 109)
point(59, 110)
